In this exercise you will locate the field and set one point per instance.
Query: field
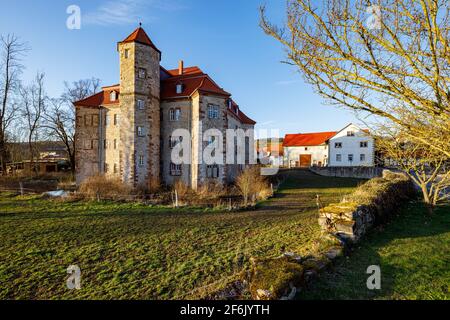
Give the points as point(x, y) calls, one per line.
point(133, 251)
point(413, 253)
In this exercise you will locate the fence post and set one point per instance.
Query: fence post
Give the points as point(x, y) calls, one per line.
point(176, 199)
point(21, 188)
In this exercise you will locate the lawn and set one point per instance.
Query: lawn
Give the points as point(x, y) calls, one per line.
point(133, 251)
point(413, 252)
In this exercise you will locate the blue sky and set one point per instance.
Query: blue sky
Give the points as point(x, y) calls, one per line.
point(220, 36)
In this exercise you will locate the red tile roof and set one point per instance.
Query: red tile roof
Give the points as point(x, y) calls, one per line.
point(140, 36)
point(193, 79)
point(307, 139)
point(101, 98)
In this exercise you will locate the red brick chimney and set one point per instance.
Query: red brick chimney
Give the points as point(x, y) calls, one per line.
point(180, 67)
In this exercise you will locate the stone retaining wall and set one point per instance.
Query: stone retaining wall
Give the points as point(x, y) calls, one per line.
point(373, 203)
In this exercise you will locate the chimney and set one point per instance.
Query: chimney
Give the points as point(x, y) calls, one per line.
point(180, 67)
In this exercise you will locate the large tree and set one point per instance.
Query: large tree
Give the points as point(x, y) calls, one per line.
point(388, 58)
point(11, 53)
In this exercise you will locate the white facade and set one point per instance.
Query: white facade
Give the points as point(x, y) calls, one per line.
point(351, 147)
point(319, 155)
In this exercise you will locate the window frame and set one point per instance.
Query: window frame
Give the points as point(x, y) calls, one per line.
point(176, 170)
point(213, 111)
point(338, 145)
point(212, 171)
point(364, 144)
point(338, 157)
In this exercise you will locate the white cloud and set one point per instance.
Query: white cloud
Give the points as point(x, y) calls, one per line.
point(125, 12)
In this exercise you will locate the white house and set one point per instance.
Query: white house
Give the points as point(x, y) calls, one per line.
point(351, 146)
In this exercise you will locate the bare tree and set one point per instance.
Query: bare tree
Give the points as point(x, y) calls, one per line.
point(33, 99)
point(384, 57)
point(426, 167)
point(60, 124)
point(60, 114)
point(11, 53)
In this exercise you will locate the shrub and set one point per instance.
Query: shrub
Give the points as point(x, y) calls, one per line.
point(104, 188)
point(251, 184)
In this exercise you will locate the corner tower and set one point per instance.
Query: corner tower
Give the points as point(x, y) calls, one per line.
point(140, 110)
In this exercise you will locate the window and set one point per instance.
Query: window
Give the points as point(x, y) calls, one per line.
point(338, 158)
point(127, 53)
point(173, 141)
point(105, 144)
point(87, 120)
point(95, 120)
point(142, 73)
point(362, 157)
point(350, 133)
point(107, 120)
point(141, 104)
point(106, 167)
point(175, 169)
point(115, 144)
point(363, 144)
point(79, 121)
point(213, 112)
point(174, 114)
point(350, 158)
point(212, 171)
point(116, 119)
point(113, 96)
point(179, 88)
point(141, 160)
point(115, 168)
point(306, 148)
point(140, 131)
point(338, 145)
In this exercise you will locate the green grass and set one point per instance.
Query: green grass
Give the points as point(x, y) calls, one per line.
point(132, 251)
point(413, 252)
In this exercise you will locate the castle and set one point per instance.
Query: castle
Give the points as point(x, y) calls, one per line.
point(127, 130)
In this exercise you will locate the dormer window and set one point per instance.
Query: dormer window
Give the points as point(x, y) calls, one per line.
point(113, 96)
point(179, 88)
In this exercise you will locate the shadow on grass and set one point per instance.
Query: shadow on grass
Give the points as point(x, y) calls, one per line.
point(412, 252)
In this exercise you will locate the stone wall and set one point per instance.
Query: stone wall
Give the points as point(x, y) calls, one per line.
point(349, 172)
point(371, 204)
point(168, 127)
point(87, 143)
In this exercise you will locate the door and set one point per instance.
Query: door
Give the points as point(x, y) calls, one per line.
point(305, 160)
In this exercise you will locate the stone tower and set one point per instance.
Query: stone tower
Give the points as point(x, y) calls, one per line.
point(140, 110)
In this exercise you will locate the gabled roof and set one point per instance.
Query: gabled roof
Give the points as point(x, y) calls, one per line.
point(307, 139)
point(140, 36)
point(101, 98)
point(193, 79)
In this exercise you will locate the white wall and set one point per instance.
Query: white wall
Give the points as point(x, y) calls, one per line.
point(351, 145)
point(318, 154)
